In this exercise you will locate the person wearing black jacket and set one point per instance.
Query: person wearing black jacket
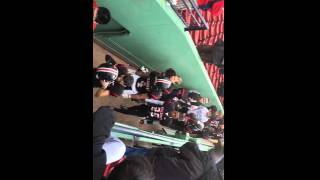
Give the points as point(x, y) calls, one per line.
point(155, 84)
point(190, 97)
point(187, 163)
point(111, 78)
point(106, 149)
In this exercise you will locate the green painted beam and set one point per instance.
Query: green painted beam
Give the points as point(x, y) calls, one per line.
point(192, 139)
point(144, 139)
point(157, 40)
point(131, 133)
point(126, 126)
point(147, 134)
point(155, 141)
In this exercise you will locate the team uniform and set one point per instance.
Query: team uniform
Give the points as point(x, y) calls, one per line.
point(181, 94)
point(155, 85)
point(131, 90)
point(197, 118)
point(158, 112)
point(115, 88)
point(211, 133)
point(213, 129)
point(162, 113)
point(107, 72)
point(104, 73)
point(184, 95)
point(196, 113)
point(194, 127)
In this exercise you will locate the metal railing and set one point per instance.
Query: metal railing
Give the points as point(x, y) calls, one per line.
point(134, 134)
point(191, 9)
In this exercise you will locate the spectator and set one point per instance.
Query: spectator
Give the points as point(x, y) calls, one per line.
point(187, 96)
point(106, 149)
point(154, 85)
point(214, 129)
point(213, 111)
point(133, 168)
point(104, 75)
point(189, 163)
point(101, 15)
point(123, 70)
point(118, 87)
point(199, 121)
point(200, 113)
point(215, 6)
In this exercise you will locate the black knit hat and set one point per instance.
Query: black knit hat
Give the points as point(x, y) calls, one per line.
point(103, 15)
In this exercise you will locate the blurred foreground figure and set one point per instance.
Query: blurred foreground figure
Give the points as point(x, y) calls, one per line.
point(165, 163)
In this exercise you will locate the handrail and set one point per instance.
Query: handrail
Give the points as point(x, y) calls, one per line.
point(132, 133)
point(177, 8)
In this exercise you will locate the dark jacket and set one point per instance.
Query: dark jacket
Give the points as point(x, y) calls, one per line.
point(188, 164)
point(103, 121)
point(218, 53)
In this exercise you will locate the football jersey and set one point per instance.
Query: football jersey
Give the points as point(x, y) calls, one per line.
point(116, 89)
point(160, 112)
point(144, 84)
point(153, 84)
point(181, 93)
